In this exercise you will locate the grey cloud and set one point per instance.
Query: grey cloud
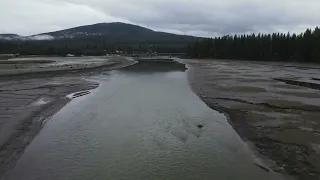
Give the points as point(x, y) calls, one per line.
point(194, 17)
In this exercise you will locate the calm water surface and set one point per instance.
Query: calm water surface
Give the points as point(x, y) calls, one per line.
point(140, 124)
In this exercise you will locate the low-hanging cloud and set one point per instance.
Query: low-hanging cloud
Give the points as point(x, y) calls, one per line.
point(192, 17)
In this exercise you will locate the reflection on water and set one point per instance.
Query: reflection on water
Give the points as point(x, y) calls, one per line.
point(154, 67)
point(139, 124)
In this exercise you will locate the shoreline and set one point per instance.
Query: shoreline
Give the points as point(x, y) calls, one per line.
point(54, 72)
point(29, 101)
point(29, 121)
point(115, 62)
point(18, 142)
point(250, 114)
point(41, 97)
point(234, 118)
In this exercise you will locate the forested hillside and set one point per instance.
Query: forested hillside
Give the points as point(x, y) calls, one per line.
point(303, 47)
point(96, 39)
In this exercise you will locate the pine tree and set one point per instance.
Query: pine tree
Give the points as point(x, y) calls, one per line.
point(265, 47)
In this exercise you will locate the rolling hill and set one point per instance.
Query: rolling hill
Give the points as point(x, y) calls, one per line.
point(108, 32)
point(9, 36)
point(95, 39)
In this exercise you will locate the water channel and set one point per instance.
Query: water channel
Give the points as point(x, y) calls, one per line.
point(140, 123)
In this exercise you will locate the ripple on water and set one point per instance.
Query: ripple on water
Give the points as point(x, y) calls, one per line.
point(138, 125)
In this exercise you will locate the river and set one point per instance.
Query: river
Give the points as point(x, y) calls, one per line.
point(140, 123)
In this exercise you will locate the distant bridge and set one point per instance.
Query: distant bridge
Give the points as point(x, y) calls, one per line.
point(171, 54)
point(181, 55)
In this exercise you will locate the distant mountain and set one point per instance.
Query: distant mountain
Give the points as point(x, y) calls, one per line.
point(107, 32)
point(96, 39)
point(16, 37)
point(9, 36)
point(101, 29)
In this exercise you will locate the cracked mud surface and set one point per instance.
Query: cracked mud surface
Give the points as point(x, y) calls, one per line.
point(275, 107)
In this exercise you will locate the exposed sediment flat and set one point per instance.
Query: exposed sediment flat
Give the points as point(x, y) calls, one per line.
point(273, 106)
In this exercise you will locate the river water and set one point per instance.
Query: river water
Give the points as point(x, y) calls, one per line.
point(140, 124)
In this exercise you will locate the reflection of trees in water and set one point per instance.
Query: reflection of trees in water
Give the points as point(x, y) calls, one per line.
point(155, 66)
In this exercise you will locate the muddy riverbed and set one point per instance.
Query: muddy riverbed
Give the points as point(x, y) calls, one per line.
point(145, 122)
point(273, 106)
point(55, 65)
point(27, 99)
point(142, 122)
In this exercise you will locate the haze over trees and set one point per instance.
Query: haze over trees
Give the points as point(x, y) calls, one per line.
point(304, 47)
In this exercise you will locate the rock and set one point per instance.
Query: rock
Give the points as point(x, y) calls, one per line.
point(262, 167)
point(200, 126)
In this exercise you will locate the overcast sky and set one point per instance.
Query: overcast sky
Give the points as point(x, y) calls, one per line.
point(192, 17)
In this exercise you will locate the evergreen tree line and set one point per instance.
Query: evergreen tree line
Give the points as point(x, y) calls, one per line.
point(83, 48)
point(304, 47)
